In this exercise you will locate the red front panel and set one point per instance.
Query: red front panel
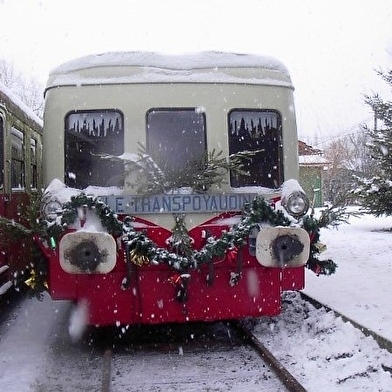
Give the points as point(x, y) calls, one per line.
point(153, 298)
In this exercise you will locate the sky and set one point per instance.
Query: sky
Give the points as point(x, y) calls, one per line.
point(331, 47)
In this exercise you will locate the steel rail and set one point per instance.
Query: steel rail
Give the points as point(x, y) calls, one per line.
point(289, 381)
point(106, 370)
point(245, 335)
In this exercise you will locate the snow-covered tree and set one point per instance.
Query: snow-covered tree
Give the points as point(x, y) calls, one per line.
point(28, 89)
point(375, 192)
point(347, 156)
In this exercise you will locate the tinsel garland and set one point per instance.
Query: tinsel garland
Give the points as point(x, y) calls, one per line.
point(181, 258)
point(312, 226)
point(141, 247)
point(52, 231)
point(143, 250)
point(37, 281)
point(69, 214)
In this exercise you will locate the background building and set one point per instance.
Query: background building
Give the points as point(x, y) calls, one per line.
point(312, 166)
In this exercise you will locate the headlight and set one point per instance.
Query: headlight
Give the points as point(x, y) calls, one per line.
point(282, 247)
point(297, 204)
point(50, 209)
point(83, 252)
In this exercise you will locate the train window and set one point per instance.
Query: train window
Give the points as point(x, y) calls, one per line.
point(176, 138)
point(33, 163)
point(261, 131)
point(88, 136)
point(17, 159)
point(1, 153)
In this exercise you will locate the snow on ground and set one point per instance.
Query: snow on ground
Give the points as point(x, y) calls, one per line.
point(361, 288)
point(336, 356)
point(23, 342)
point(325, 353)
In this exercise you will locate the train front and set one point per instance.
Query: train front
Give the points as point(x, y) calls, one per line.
point(173, 202)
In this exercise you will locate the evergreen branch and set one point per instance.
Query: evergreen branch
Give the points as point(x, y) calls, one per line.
point(335, 215)
point(200, 174)
point(375, 193)
point(237, 161)
point(257, 212)
point(12, 230)
point(321, 267)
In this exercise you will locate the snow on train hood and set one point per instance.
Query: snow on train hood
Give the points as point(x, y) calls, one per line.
point(207, 59)
point(149, 67)
point(63, 193)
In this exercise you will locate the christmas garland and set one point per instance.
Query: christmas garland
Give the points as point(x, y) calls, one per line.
point(180, 256)
point(141, 250)
point(70, 213)
point(52, 231)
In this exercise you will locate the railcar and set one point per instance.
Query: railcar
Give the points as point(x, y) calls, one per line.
point(20, 177)
point(172, 191)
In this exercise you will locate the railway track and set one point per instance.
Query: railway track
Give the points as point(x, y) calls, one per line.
point(194, 348)
point(289, 380)
point(239, 337)
point(187, 357)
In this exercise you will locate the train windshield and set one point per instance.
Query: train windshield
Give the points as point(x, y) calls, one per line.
point(176, 140)
point(89, 135)
point(259, 131)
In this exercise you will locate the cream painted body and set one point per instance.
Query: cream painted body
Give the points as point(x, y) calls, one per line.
point(135, 88)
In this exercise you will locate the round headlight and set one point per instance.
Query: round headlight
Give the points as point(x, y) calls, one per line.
point(51, 209)
point(297, 204)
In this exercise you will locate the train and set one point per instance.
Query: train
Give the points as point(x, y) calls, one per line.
point(172, 189)
point(20, 178)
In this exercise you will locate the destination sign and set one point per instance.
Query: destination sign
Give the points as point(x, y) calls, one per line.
point(161, 204)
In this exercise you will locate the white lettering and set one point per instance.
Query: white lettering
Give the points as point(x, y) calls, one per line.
point(177, 203)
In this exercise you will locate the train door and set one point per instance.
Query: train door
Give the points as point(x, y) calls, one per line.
point(15, 252)
point(4, 265)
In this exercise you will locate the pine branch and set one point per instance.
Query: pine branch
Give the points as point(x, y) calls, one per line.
point(200, 174)
point(12, 230)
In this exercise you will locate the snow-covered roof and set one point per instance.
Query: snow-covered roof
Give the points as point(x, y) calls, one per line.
point(149, 67)
point(312, 160)
point(7, 97)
